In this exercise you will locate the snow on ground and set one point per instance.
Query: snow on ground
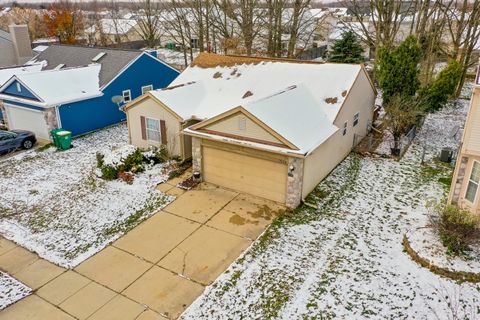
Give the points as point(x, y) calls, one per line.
point(426, 243)
point(345, 259)
point(11, 290)
point(53, 203)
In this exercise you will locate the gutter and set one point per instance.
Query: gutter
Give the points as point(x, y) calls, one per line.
point(257, 146)
point(44, 104)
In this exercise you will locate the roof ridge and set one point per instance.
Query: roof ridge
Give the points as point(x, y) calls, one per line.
point(95, 48)
point(57, 70)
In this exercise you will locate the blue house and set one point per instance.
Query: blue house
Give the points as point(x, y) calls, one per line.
point(74, 90)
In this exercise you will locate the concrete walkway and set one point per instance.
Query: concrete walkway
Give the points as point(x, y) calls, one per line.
point(155, 271)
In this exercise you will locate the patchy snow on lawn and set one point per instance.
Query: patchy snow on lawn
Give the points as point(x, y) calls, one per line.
point(53, 203)
point(11, 290)
point(345, 259)
point(426, 243)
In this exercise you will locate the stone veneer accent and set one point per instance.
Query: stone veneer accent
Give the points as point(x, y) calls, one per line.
point(459, 180)
point(51, 118)
point(2, 110)
point(294, 182)
point(197, 155)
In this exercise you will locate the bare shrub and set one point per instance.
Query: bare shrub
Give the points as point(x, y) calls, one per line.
point(458, 229)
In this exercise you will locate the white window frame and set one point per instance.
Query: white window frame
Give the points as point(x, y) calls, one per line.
point(159, 130)
point(472, 181)
point(147, 88)
point(356, 118)
point(345, 126)
point(19, 87)
point(129, 95)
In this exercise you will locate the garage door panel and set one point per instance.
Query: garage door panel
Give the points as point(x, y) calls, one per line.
point(246, 173)
point(24, 119)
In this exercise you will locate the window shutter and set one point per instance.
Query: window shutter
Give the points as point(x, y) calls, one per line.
point(163, 131)
point(144, 127)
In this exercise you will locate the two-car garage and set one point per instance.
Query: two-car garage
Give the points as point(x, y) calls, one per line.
point(244, 169)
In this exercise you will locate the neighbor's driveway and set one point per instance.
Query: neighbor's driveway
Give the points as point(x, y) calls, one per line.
point(153, 272)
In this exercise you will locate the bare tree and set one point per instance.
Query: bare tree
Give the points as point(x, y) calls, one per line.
point(247, 16)
point(463, 27)
point(149, 22)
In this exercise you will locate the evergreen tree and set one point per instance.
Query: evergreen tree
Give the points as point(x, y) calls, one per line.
point(437, 93)
point(347, 49)
point(398, 69)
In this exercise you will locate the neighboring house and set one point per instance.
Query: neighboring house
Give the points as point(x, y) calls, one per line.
point(74, 90)
point(466, 177)
point(111, 31)
point(15, 46)
point(270, 127)
point(7, 73)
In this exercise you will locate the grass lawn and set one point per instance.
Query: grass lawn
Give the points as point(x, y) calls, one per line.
point(53, 203)
point(345, 259)
point(11, 290)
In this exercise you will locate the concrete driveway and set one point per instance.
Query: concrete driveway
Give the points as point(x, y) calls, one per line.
point(153, 272)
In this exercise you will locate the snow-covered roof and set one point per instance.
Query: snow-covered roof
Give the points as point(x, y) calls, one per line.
point(114, 26)
point(40, 48)
point(306, 127)
point(221, 88)
point(340, 28)
point(298, 100)
point(7, 73)
point(55, 87)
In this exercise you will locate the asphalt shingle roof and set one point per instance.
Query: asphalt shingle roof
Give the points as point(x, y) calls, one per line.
point(76, 56)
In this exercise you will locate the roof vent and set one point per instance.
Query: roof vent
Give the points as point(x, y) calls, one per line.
point(60, 66)
point(98, 56)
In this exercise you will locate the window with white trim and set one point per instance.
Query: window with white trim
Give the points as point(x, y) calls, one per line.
point(145, 89)
point(345, 125)
point(473, 182)
point(127, 96)
point(153, 129)
point(19, 87)
point(356, 116)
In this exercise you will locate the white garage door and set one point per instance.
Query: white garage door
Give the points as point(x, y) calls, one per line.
point(259, 176)
point(26, 119)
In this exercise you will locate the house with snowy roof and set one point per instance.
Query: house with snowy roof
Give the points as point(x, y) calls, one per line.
point(273, 128)
point(111, 31)
point(75, 86)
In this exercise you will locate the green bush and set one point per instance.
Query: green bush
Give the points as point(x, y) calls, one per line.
point(109, 172)
point(457, 228)
point(133, 162)
point(398, 69)
point(100, 161)
point(436, 94)
point(347, 49)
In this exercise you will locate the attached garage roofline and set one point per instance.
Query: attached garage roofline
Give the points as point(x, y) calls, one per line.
point(253, 145)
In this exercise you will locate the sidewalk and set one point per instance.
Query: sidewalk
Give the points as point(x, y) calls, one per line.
point(155, 271)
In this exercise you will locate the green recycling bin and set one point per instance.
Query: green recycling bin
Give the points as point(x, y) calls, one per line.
point(53, 133)
point(64, 139)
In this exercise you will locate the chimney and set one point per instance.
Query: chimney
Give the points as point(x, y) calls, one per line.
point(21, 42)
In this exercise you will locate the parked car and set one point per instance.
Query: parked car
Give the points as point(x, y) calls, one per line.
point(12, 140)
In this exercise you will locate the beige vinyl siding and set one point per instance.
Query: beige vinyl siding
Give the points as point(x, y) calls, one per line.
point(151, 108)
point(245, 170)
point(472, 134)
point(329, 154)
point(462, 201)
point(230, 125)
